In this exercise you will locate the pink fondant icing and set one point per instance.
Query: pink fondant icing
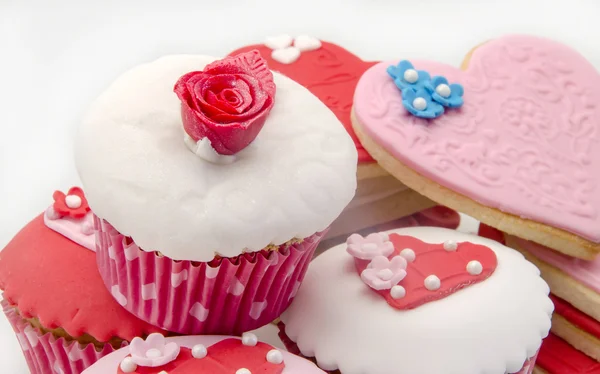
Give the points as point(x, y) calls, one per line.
point(79, 230)
point(526, 141)
point(586, 272)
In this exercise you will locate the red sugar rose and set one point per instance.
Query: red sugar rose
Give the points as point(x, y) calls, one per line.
point(228, 102)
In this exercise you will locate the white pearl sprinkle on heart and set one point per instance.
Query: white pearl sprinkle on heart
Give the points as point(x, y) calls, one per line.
point(286, 55)
point(397, 292)
point(199, 351)
point(279, 41)
point(127, 365)
point(307, 43)
point(408, 254)
point(474, 267)
point(243, 371)
point(249, 339)
point(274, 357)
point(73, 201)
point(432, 283)
point(450, 245)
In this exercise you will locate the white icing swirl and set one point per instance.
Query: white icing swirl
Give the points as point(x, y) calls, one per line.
point(138, 174)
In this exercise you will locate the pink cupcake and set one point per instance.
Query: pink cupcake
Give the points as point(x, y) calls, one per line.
point(202, 354)
point(212, 183)
point(420, 300)
point(54, 298)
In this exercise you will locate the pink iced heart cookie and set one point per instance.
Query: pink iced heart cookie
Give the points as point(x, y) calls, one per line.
point(522, 150)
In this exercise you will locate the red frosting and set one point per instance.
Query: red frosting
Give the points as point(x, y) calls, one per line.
point(438, 216)
point(47, 276)
point(61, 207)
point(432, 259)
point(575, 316)
point(331, 74)
point(557, 357)
point(224, 357)
point(228, 102)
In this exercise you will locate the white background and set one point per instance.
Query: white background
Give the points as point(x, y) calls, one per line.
point(56, 56)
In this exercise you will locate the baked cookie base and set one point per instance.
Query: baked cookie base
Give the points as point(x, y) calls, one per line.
point(552, 237)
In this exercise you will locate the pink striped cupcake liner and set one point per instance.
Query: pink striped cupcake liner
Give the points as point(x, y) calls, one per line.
point(292, 347)
point(224, 296)
point(45, 354)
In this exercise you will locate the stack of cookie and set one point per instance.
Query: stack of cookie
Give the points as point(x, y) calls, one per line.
point(331, 73)
point(511, 139)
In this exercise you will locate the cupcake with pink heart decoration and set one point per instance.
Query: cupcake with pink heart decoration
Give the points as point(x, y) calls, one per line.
point(212, 182)
point(421, 300)
point(202, 354)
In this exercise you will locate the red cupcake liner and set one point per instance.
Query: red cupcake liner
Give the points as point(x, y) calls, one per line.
point(292, 347)
point(45, 354)
point(224, 296)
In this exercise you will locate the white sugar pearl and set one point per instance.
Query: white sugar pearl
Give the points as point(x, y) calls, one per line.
point(199, 351)
point(243, 371)
point(397, 292)
point(474, 267)
point(274, 357)
point(249, 339)
point(443, 90)
point(73, 201)
point(419, 103)
point(163, 372)
point(432, 283)
point(450, 245)
point(127, 365)
point(408, 254)
point(411, 75)
point(153, 353)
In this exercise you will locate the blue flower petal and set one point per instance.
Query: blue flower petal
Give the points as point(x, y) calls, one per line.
point(457, 89)
point(455, 99)
point(432, 110)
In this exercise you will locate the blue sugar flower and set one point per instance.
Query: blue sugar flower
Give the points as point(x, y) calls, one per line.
point(420, 104)
point(449, 95)
point(405, 75)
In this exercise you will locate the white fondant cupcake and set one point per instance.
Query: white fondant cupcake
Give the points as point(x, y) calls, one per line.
point(200, 227)
point(202, 354)
point(420, 300)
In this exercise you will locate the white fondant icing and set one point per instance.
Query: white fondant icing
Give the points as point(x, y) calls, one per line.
point(411, 75)
point(488, 327)
point(249, 339)
point(432, 282)
point(79, 230)
point(286, 55)
point(274, 356)
point(474, 267)
point(73, 201)
point(443, 90)
point(307, 43)
point(293, 181)
point(199, 351)
point(398, 292)
point(408, 254)
point(279, 41)
point(127, 365)
point(450, 245)
point(204, 149)
point(419, 103)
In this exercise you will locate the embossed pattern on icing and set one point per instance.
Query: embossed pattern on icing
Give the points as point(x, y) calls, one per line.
point(527, 140)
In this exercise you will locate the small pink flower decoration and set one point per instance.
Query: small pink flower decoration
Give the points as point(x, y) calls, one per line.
point(383, 274)
point(376, 244)
point(154, 351)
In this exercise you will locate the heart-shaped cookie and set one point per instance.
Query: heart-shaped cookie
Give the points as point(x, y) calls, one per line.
point(330, 72)
point(523, 152)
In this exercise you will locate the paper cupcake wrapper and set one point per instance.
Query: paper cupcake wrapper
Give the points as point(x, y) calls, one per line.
point(224, 296)
point(47, 355)
point(292, 347)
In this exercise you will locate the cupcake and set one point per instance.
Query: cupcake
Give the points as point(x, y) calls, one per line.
point(202, 354)
point(420, 300)
point(212, 182)
point(54, 298)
